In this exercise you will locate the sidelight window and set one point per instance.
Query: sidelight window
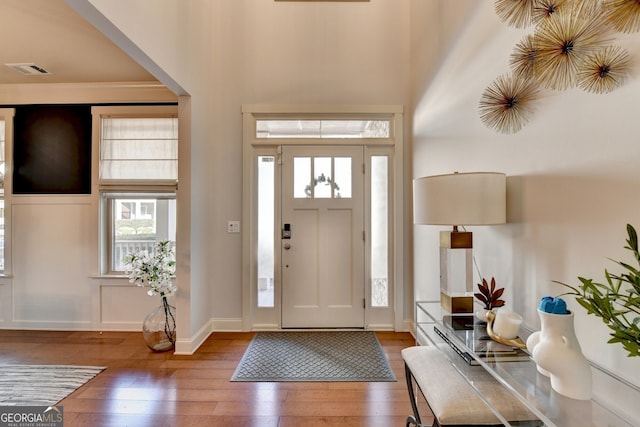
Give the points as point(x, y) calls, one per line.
point(266, 229)
point(379, 231)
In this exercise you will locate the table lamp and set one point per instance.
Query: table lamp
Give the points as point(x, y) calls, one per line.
point(459, 199)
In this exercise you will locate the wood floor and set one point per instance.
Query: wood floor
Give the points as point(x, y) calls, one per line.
point(141, 388)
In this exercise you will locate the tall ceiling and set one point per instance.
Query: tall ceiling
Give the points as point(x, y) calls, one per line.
point(53, 36)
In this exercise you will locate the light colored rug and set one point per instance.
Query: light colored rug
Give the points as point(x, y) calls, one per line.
point(314, 356)
point(41, 385)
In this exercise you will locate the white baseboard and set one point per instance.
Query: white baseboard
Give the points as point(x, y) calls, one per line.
point(189, 346)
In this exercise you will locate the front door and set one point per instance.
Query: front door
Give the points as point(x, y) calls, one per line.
point(322, 245)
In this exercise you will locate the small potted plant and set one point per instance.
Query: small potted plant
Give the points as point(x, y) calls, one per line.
point(489, 296)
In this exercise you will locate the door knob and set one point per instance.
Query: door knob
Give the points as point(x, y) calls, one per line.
point(287, 246)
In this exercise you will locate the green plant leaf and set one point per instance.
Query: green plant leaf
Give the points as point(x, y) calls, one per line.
point(615, 299)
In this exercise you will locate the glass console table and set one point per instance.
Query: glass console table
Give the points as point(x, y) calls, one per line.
point(520, 378)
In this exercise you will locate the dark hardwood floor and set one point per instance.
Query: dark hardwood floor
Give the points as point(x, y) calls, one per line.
point(141, 388)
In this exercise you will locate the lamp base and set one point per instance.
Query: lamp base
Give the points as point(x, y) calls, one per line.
point(456, 239)
point(456, 303)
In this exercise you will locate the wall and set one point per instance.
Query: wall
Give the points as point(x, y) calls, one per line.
point(572, 171)
point(228, 53)
point(52, 278)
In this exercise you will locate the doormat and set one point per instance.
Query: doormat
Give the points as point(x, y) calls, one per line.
point(334, 356)
point(41, 385)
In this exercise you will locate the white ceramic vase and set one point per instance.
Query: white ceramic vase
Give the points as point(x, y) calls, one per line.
point(557, 353)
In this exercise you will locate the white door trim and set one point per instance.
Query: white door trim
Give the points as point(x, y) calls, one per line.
point(254, 318)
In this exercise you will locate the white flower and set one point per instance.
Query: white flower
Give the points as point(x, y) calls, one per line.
point(153, 271)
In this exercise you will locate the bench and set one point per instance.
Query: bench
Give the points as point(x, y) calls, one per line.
point(451, 399)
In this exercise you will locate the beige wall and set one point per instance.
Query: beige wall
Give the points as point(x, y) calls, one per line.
point(572, 171)
point(227, 53)
point(51, 278)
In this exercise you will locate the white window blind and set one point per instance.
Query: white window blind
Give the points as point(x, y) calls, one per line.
point(139, 149)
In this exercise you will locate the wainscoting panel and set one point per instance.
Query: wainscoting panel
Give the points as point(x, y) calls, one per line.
point(124, 307)
point(51, 248)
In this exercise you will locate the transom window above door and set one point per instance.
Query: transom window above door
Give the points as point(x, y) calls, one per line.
point(320, 128)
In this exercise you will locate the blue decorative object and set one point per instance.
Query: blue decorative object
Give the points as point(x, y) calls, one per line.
point(553, 305)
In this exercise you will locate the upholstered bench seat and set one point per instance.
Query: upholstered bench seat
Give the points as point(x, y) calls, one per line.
point(450, 397)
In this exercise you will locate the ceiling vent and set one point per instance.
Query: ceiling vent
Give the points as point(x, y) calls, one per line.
point(29, 69)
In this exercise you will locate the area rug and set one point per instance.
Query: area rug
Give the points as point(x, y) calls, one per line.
point(41, 385)
point(314, 356)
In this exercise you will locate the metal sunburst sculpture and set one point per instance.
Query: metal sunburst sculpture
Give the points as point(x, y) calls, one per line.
point(506, 104)
point(524, 57)
point(542, 9)
point(563, 42)
point(518, 13)
point(623, 15)
point(605, 70)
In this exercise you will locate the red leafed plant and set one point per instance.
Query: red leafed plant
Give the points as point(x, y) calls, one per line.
point(489, 295)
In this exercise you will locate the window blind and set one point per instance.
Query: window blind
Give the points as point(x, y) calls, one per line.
point(139, 149)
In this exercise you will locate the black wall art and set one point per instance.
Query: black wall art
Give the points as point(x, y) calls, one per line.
point(52, 149)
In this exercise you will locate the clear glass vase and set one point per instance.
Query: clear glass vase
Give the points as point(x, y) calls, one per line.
point(159, 327)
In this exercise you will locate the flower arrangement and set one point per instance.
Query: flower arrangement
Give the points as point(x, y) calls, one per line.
point(153, 271)
point(489, 295)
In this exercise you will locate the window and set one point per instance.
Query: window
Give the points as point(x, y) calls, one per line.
point(270, 128)
point(266, 228)
point(133, 228)
point(380, 231)
point(324, 178)
point(138, 171)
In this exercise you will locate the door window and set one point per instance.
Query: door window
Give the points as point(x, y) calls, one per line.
point(324, 178)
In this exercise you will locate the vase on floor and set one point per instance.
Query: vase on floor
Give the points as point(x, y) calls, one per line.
point(556, 351)
point(159, 327)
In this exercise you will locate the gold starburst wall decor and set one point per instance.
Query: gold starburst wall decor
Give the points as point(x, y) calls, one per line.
point(623, 15)
point(542, 9)
point(507, 104)
point(518, 13)
point(569, 46)
point(605, 70)
point(564, 41)
point(524, 57)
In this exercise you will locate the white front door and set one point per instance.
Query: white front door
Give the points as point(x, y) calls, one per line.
point(322, 241)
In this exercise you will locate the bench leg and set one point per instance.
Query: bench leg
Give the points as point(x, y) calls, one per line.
point(415, 419)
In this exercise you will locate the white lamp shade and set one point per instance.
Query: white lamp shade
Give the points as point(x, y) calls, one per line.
point(474, 198)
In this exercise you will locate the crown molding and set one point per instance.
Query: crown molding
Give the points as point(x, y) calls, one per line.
point(85, 93)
